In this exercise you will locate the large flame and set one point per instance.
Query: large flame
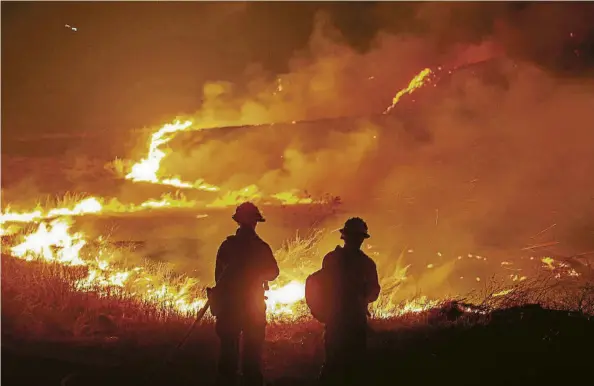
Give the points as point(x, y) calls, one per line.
point(281, 299)
point(56, 243)
point(52, 244)
point(147, 169)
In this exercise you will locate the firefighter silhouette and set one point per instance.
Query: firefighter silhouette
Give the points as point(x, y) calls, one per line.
point(244, 265)
point(339, 295)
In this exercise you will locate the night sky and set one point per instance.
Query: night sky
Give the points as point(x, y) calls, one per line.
point(135, 64)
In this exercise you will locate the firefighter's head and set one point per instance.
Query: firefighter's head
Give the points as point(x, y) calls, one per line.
point(354, 232)
point(248, 214)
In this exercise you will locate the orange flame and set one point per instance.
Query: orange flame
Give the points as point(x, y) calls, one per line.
point(417, 82)
point(94, 205)
point(56, 243)
point(147, 169)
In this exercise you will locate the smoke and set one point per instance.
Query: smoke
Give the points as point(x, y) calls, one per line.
point(509, 150)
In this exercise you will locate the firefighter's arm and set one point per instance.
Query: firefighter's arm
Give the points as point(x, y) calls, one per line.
point(269, 266)
point(373, 286)
point(222, 260)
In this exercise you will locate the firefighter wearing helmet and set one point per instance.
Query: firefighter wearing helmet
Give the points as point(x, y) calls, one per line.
point(346, 285)
point(244, 265)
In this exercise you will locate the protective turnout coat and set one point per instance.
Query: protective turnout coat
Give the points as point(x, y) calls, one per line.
point(244, 263)
point(343, 288)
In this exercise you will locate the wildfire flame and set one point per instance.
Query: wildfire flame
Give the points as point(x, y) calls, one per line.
point(95, 205)
point(417, 82)
point(53, 244)
point(86, 206)
point(146, 169)
point(56, 243)
point(414, 306)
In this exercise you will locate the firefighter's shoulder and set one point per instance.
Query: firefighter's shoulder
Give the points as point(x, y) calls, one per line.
point(332, 255)
point(336, 251)
point(368, 261)
point(262, 243)
point(229, 241)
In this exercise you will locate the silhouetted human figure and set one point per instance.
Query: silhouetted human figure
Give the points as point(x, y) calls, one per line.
point(244, 265)
point(354, 284)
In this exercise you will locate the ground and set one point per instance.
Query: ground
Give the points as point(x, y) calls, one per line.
point(523, 346)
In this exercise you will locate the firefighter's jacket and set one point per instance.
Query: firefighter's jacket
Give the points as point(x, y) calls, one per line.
point(354, 285)
point(244, 264)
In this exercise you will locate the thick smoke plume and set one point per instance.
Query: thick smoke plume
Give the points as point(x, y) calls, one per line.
point(509, 150)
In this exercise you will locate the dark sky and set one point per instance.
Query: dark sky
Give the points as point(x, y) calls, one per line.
point(129, 63)
point(135, 64)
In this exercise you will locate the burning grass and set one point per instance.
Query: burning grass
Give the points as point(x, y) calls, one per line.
point(62, 288)
point(96, 271)
point(41, 303)
point(103, 270)
point(44, 301)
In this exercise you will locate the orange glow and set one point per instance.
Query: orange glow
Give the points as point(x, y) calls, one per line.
point(53, 241)
point(95, 206)
point(57, 243)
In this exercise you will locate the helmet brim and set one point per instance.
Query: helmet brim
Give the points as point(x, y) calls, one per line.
point(346, 233)
point(247, 219)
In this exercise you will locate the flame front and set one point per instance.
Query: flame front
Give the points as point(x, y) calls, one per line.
point(52, 244)
point(56, 243)
point(146, 170)
point(94, 205)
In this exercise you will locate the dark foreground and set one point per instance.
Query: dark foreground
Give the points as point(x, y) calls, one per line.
point(523, 346)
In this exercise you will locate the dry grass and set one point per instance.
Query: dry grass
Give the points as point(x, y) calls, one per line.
point(299, 256)
point(40, 301)
point(66, 200)
point(546, 289)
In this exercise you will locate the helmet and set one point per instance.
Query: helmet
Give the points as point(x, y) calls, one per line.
point(247, 212)
point(355, 226)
